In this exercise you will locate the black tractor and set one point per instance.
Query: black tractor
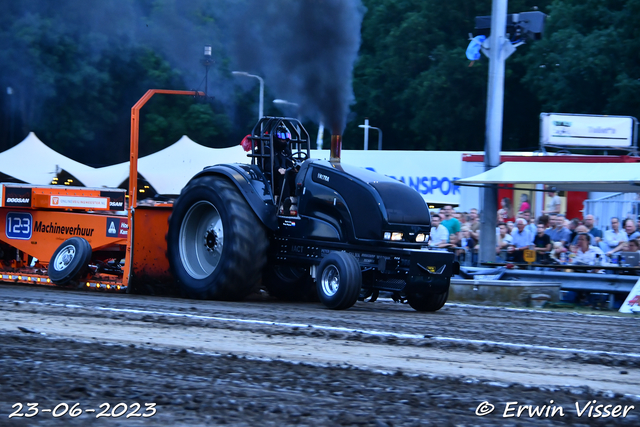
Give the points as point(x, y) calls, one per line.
point(304, 228)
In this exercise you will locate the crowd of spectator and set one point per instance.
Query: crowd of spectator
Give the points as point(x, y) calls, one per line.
point(553, 237)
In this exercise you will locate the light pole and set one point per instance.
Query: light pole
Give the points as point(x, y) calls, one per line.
point(261, 105)
point(207, 61)
point(366, 128)
point(10, 115)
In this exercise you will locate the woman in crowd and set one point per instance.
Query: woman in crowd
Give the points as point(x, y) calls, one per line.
point(524, 203)
point(505, 213)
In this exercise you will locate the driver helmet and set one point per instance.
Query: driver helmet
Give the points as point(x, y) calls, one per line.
point(282, 137)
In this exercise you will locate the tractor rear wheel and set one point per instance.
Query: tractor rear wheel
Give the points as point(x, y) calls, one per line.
point(216, 245)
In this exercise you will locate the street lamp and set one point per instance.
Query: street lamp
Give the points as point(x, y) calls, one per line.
point(366, 128)
point(261, 105)
point(283, 102)
point(207, 61)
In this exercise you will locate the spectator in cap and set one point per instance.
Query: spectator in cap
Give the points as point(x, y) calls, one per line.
point(553, 202)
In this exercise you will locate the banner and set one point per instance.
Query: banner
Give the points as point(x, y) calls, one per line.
point(632, 303)
point(586, 131)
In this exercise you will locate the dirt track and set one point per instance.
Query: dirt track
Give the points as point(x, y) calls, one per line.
point(263, 362)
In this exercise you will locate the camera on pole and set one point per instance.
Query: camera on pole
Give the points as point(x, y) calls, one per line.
point(527, 25)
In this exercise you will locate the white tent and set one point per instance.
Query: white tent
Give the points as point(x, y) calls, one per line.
point(34, 162)
point(108, 176)
point(605, 177)
point(169, 170)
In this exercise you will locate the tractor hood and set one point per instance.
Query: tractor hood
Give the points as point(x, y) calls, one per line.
point(402, 203)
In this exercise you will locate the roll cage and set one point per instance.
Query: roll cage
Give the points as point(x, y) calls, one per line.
point(262, 140)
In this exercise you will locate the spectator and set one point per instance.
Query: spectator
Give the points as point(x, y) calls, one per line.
point(510, 227)
point(633, 245)
point(526, 214)
point(505, 213)
point(585, 252)
point(542, 243)
point(439, 236)
point(467, 243)
point(524, 203)
point(521, 239)
point(629, 226)
point(553, 202)
point(474, 224)
point(580, 229)
point(575, 222)
point(452, 224)
point(615, 239)
point(503, 239)
point(590, 222)
point(558, 232)
point(544, 220)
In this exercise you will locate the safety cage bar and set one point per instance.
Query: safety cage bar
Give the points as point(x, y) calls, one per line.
point(262, 140)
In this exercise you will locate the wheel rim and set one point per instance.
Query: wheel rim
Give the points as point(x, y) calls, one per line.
point(201, 240)
point(64, 258)
point(330, 280)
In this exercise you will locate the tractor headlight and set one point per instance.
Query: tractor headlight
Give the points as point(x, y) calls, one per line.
point(396, 235)
point(393, 235)
point(420, 238)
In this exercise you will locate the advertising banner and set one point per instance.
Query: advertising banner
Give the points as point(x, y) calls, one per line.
point(586, 131)
point(430, 173)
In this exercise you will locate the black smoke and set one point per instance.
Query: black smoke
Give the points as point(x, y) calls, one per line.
point(306, 51)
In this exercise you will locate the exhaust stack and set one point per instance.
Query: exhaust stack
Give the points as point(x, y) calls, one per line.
point(336, 148)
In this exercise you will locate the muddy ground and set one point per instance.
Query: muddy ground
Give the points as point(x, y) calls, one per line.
point(263, 362)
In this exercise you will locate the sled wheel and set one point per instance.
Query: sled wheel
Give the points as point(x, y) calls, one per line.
point(427, 301)
point(216, 245)
point(69, 261)
point(339, 280)
point(289, 283)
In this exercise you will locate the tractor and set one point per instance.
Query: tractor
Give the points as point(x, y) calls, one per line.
point(345, 234)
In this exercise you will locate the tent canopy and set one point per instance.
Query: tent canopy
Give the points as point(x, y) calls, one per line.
point(169, 170)
point(34, 162)
point(605, 177)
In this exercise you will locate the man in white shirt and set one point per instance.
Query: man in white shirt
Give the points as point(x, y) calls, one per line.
point(615, 239)
point(521, 239)
point(586, 253)
point(439, 236)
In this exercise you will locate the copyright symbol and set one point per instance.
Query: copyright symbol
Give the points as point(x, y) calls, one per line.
point(485, 408)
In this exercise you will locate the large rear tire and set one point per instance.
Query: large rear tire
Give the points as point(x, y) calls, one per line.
point(339, 280)
point(216, 245)
point(70, 261)
point(427, 301)
point(289, 283)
